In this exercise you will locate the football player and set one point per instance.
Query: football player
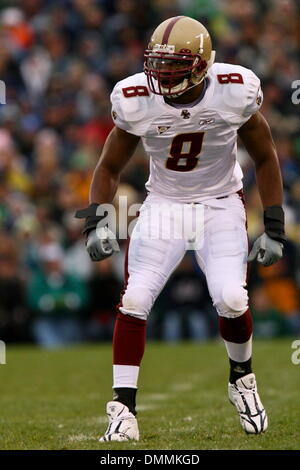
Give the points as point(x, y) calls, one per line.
point(188, 111)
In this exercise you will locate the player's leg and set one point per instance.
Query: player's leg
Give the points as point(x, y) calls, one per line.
point(149, 264)
point(223, 258)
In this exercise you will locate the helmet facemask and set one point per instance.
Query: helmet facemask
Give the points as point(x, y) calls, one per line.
point(172, 74)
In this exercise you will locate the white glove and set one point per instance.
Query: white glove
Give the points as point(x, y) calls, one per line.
point(267, 250)
point(101, 243)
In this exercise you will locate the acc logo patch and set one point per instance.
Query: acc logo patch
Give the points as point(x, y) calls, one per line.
point(114, 114)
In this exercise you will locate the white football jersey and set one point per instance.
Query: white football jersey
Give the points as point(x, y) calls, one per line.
point(192, 149)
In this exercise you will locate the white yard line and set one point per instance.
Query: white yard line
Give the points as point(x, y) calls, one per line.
point(181, 387)
point(96, 420)
point(81, 437)
point(155, 396)
point(145, 407)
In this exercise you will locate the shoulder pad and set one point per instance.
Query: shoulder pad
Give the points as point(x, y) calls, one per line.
point(238, 89)
point(130, 101)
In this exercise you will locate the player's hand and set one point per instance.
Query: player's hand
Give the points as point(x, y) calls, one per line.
point(267, 250)
point(101, 243)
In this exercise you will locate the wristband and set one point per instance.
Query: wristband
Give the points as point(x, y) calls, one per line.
point(91, 217)
point(274, 223)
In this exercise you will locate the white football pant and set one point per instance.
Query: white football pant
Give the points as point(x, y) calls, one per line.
point(165, 230)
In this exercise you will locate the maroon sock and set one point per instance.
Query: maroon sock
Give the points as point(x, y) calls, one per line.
point(129, 340)
point(236, 330)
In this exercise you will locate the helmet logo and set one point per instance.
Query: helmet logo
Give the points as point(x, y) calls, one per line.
point(201, 36)
point(170, 49)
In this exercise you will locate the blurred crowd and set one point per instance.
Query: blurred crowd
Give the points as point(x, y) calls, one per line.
point(59, 61)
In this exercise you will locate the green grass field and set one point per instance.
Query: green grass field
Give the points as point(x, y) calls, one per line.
point(56, 399)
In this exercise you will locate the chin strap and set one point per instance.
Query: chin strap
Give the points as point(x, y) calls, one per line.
point(189, 88)
point(179, 86)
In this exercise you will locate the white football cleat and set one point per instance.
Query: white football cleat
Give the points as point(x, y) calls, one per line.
point(243, 394)
point(122, 424)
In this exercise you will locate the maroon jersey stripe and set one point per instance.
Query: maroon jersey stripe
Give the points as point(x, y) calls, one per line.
point(169, 29)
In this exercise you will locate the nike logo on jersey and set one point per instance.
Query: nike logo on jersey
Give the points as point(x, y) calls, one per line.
point(162, 129)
